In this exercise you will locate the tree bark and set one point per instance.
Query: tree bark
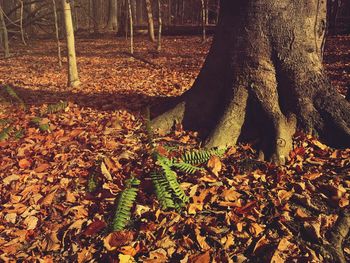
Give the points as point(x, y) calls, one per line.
point(4, 34)
point(57, 35)
point(131, 27)
point(160, 25)
point(112, 17)
point(203, 16)
point(73, 78)
point(264, 75)
point(150, 20)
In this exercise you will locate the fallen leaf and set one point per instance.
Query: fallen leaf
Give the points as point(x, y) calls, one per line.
point(215, 165)
point(24, 163)
point(201, 258)
point(105, 172)
point(31, 222)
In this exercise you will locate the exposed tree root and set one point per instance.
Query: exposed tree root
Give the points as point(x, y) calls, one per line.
point(274, 71)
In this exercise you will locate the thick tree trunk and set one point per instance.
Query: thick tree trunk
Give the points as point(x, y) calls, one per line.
point(264, 72)
point(73, 79)
point(150, 20)
point(112, 17)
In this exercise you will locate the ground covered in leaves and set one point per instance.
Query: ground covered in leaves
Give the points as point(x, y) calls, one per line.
point(65, 155)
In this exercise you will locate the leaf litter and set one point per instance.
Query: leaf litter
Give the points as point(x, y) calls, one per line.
point(59, 184)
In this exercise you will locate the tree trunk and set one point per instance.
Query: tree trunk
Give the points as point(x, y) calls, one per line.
point(150, 20)
point(4, 35)
point(57, 35)
point(203, 16)
point(160, 25)
point(112, 17)
point(73, 79)
point(264, 74)
point(131, 27)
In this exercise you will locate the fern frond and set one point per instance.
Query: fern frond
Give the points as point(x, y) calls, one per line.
point(54, 108)
point(125, 203)
point(187, 167)
point(41, 124)
point(10, 91)
point(5, 133)
point(163, 191)
point(201, 156)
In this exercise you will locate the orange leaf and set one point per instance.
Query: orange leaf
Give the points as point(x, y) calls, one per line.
point(215, 165)
point(201, 258)
point(24, 163)
point(41, 168)
point(312, 176)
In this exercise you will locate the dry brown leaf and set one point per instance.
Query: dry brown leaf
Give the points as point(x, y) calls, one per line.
point(7, 180)
point(201, 240)
point(42, 167)
point(201, 258)
point(105, 172)
point(48, 199)
point(311, 176)
point(215, 165)
point(125, 258)
point(24, 163)
point(256, 229)
point(31, 222)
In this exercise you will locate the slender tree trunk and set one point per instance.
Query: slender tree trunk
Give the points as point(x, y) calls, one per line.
point(4, 35)
point(150, 20)
point(73, 78)
point(112, 16)
point(57, 35)
point(204, 34)
point(160, 25)
point(131, 27)
point(21, 23)
point(264, 79)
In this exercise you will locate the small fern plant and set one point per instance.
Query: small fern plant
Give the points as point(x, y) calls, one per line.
point(125, 203)
point(164, 178)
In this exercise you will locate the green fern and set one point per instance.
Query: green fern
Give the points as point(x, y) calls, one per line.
point(187, 167)
point(162, 191)
point(54, 108)
point(5, 133)
point(125, 203)
point(10, 91)
point(92, 184)
point(201, 156)
point(19, 134)
point(41, 124)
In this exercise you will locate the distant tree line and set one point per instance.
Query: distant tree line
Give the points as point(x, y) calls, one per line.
point(37, 16)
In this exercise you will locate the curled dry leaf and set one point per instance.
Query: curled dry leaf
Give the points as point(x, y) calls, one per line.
point(117, 239)
point(215, 165)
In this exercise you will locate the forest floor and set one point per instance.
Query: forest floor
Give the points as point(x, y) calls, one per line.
point(65, 155)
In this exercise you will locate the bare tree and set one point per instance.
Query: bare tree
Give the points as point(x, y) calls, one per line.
point(73, 78)
point(4, 34)
point(150, 20)
point(131, 27)
point(160, 25)
point(59, 56)
point(112, 16)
